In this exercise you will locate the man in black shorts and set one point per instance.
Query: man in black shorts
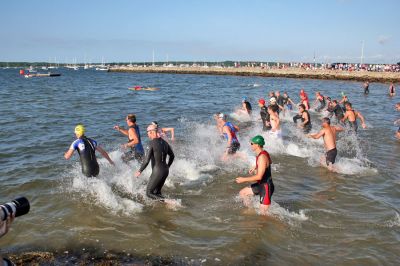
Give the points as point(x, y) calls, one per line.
point(261, 175)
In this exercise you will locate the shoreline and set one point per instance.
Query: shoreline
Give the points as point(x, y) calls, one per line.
point(361, 76)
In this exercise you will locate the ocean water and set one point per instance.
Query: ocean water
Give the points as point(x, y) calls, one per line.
point(349, 217)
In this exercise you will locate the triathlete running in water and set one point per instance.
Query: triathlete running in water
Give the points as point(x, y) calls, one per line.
point(162, 131)
point(280, 100)
point(392, 90)
point(287, 101)
point(134, 141)
point(336, 109)
point(246, 106)
point(86, 148)
point(264, 115)
point(321, 99)
point(275, 123)
point(328, 132)
point(366, 88)
point(304, 99)
point(351, 116)
point(261, 175)
point(305, 117)
point(229, 130)
point(157, 154)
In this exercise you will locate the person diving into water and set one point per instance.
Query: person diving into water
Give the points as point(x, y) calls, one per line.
point(86, 148)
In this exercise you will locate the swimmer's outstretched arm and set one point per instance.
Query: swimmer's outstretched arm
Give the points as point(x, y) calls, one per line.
point(263, 164)
point(105, 154)
point(316, 135)
point(122, 130)
point(68, 154)
point(171, 130)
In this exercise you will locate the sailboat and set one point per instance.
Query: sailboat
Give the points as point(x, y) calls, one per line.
point(102, 67)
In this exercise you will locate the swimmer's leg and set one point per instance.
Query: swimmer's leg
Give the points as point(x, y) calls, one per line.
point(151, 190)
point(246, 194)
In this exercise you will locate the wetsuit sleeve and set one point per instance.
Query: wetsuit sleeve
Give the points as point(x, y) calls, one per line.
point(149, 156)
point(94, 143)
point(74, 145)
point(171, 156)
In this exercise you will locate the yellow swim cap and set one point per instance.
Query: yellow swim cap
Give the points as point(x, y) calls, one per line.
point(80, 130)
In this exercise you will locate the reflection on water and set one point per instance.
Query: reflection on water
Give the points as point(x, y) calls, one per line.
point(349, 216)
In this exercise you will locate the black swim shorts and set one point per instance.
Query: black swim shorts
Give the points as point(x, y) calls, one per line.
point(265, 190)
point(235, 146)
point(331, 156)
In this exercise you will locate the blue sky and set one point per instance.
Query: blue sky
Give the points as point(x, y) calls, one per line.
point(269, 30)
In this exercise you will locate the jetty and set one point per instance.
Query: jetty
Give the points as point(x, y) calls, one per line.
point(326, 74)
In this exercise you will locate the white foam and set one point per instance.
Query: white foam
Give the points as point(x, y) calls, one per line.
point(395, 222)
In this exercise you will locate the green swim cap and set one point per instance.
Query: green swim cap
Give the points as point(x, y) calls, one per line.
point(343, 94)
point(259, 140)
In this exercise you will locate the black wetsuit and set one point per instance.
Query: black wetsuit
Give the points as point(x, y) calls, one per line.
point(265, 117)
point(86, 148)
point(322, 104)
point(338, 111)
point(280, 100)
point(353, 124)
point(366, 89)
point(157, 154)
point(248, 107)
point(307, 126)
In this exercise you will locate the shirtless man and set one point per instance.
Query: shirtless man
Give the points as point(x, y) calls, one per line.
point(275, 123)
point(319, 98)
point(328, 132)
point(351, 115)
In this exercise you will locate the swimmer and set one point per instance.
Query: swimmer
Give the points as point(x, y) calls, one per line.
point(366, 87)
point(220, 124)
point(304, 99)
point(275, 107)
point(134, 141)
point(336, 109)
point(280, 100)
point(397, 122)
point(305, 117)
point(162, 131)
point(392, 90)
point(264, 115)
point(287, 101)
point(328, 133)
point(351, 116)
point(344, 100)
point(229, 131)
point(246, 106)
point(275, 123)
point(86, 148)
point(157, 154)
point(261, 174)
point(321, 99)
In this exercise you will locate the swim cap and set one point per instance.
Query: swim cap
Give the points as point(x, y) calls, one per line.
point(272, 100)
point(343, 94)
point(222, 116)
point(261, 101)
point(244, 99)
point(259, 140)
point(152, 128)
point(154, 123)
point(79, 130)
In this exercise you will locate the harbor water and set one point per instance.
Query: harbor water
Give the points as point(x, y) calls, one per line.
point(348, 217)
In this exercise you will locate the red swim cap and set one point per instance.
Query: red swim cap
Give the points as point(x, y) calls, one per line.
point(261, 101)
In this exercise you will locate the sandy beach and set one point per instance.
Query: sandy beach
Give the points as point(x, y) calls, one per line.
point(284, 73)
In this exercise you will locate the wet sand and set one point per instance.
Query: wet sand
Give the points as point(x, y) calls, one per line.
point(284, 73)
